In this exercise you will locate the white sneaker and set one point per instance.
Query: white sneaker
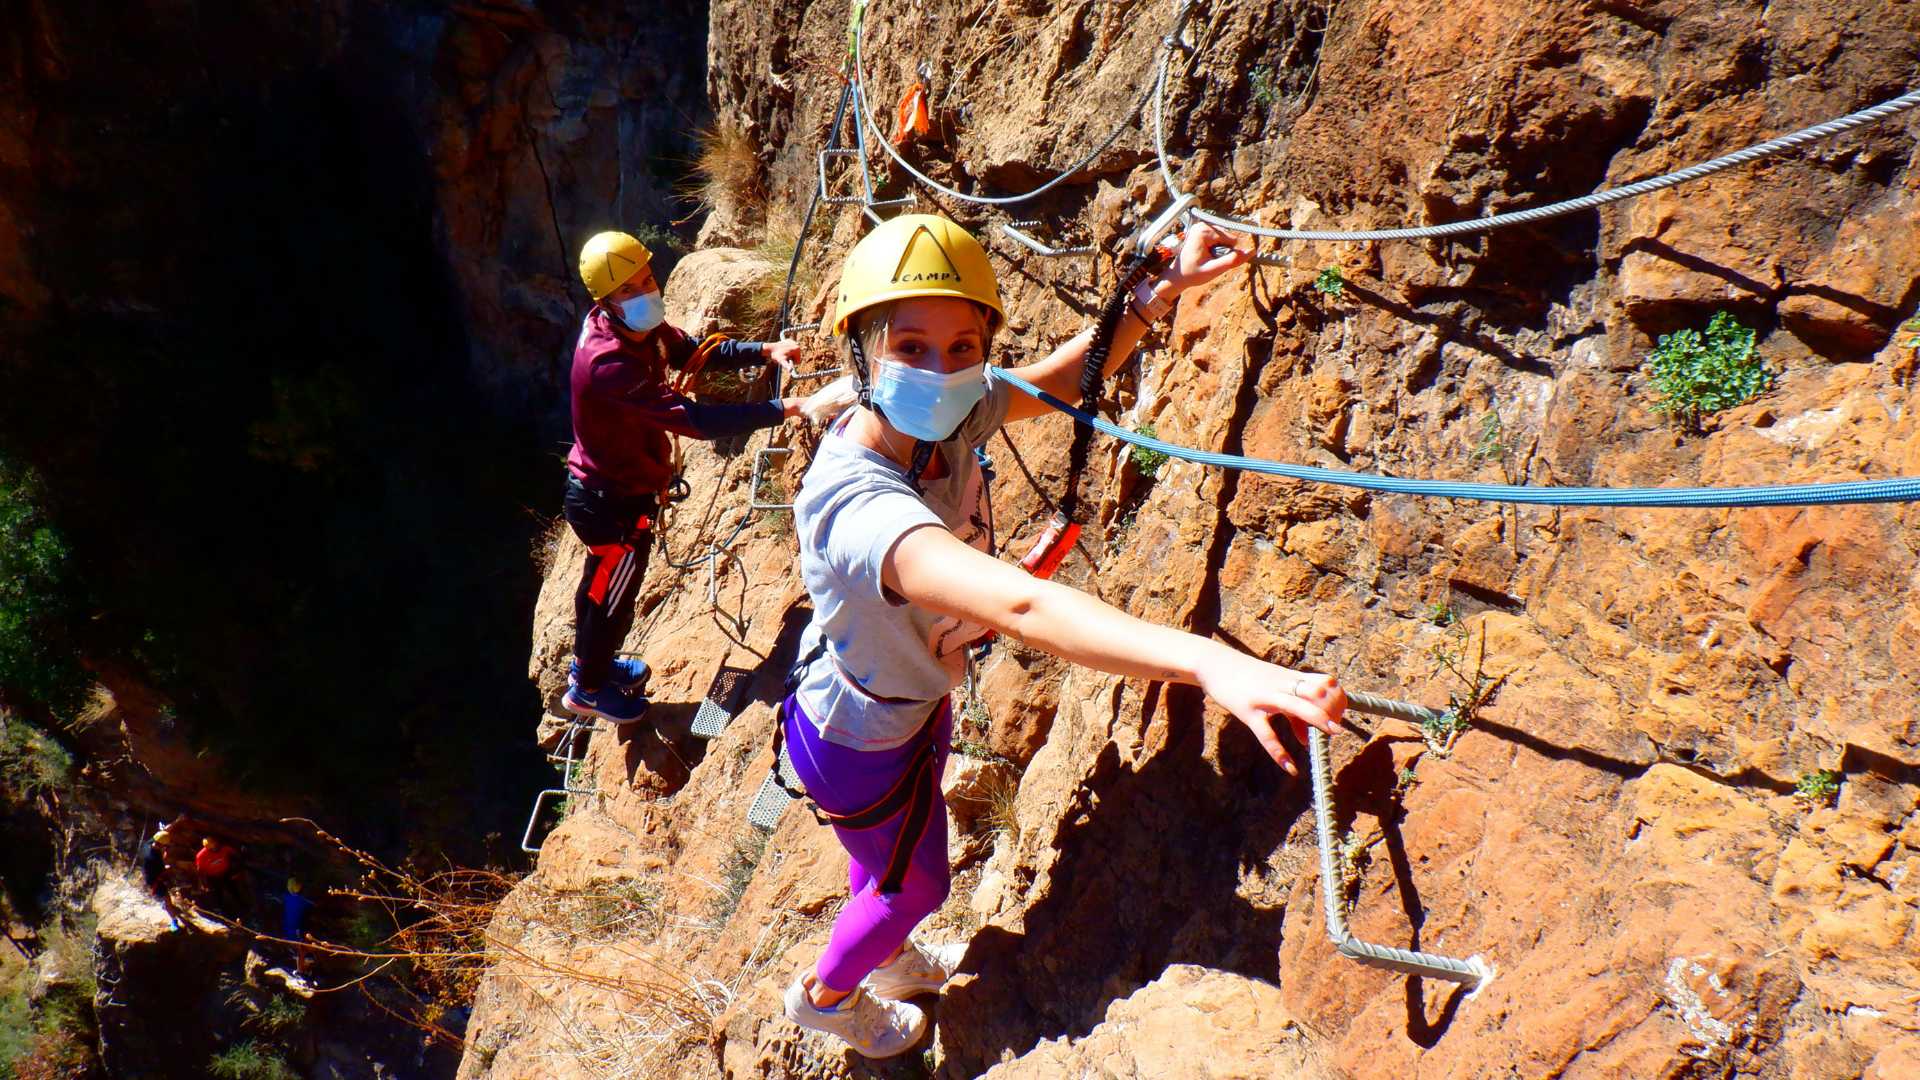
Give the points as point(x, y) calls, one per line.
point(919, 969)
point(874, 1028)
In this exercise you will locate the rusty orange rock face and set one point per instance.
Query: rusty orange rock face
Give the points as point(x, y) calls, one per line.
point(1618, 832)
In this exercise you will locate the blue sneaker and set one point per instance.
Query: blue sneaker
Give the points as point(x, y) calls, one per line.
point(609, 703)
point(627, 673)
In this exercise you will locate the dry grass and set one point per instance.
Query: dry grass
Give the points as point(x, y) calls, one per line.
point(1003, 811)
point(778, 240)
point(547, 544)
point(727, 169)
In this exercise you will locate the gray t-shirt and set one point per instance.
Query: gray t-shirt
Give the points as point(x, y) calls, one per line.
point(853, 507)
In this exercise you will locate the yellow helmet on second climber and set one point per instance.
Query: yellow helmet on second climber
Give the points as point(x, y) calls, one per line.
point(610, 259)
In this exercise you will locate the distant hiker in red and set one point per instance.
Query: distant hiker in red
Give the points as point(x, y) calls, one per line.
point(213, 865)
point(624, 411)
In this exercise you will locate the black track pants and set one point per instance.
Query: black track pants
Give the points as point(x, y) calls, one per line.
point(618, 532)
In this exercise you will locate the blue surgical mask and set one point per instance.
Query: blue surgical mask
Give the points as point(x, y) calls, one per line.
point(643, 312)
point(927, 404)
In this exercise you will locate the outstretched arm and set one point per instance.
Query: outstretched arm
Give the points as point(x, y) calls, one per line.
point(929, 566)
point(1059, 373)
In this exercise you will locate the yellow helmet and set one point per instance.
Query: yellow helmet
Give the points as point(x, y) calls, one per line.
point(916, 255)
point(609, 260)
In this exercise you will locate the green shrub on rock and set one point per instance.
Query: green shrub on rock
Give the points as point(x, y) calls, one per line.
point(1698, 374)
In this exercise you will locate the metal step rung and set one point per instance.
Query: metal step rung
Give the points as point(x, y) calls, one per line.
point(1045, 251)
point(818, 373)
point(539, 802)
point(771, 802)
point(1473, 971)
point(716, 710)
point(826, 189)
point(759, 467)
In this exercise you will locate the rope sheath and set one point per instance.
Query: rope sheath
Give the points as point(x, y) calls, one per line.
point(1899, 489)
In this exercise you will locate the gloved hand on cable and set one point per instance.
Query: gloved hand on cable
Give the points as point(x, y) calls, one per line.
point(830, 401)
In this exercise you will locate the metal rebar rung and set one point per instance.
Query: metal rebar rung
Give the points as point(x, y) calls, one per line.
point(770, 803)
point(753, 489)
point(826, 189)
point(817, 373)
point(1045, 251)
point(1395, 710)
point(526, 839)
point(1472, 971)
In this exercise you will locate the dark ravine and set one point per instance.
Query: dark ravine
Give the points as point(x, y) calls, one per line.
point(286, 294)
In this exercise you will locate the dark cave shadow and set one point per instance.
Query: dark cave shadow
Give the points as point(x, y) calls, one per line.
point(1150, 860)
point(1450, 330)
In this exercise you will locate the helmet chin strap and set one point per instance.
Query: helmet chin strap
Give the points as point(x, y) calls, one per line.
point(863, 387)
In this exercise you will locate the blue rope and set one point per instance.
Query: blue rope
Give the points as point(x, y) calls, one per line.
point(1900, 489)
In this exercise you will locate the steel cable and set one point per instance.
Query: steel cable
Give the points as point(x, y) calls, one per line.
point(865, 111)
point(1872, 114)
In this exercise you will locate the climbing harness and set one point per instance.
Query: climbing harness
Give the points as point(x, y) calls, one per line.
point(1898, 489)
point(915, 793)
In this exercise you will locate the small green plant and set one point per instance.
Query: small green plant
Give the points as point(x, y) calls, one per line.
point(266, 1012)
point(1264, 92)
point(31, 761)
point(1146, 459)
point(1911, 326)
point(1406, 780)
point(974, 749)
point(1698, 374)
point(1330, 282)
point(1441, 613)
point(1354, 857)
point(35, 597)
point(1442, 729)
point(1492, 444)
point(974, 714)
point(1818, 787)
point(250, 1060)
point(16, 1028)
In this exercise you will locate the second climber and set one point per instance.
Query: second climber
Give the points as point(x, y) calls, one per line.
point(625, 412)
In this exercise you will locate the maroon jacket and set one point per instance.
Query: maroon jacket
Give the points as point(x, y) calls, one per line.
point(624, 407)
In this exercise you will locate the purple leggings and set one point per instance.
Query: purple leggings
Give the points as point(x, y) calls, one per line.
point(843, 780)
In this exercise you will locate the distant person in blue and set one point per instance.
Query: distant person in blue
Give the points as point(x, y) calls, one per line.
point(294, 906)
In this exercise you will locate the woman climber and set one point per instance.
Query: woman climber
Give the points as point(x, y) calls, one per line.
point(891, 549)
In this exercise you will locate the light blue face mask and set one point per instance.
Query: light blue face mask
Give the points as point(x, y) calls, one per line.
point(643, 312)
point(927, 404)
